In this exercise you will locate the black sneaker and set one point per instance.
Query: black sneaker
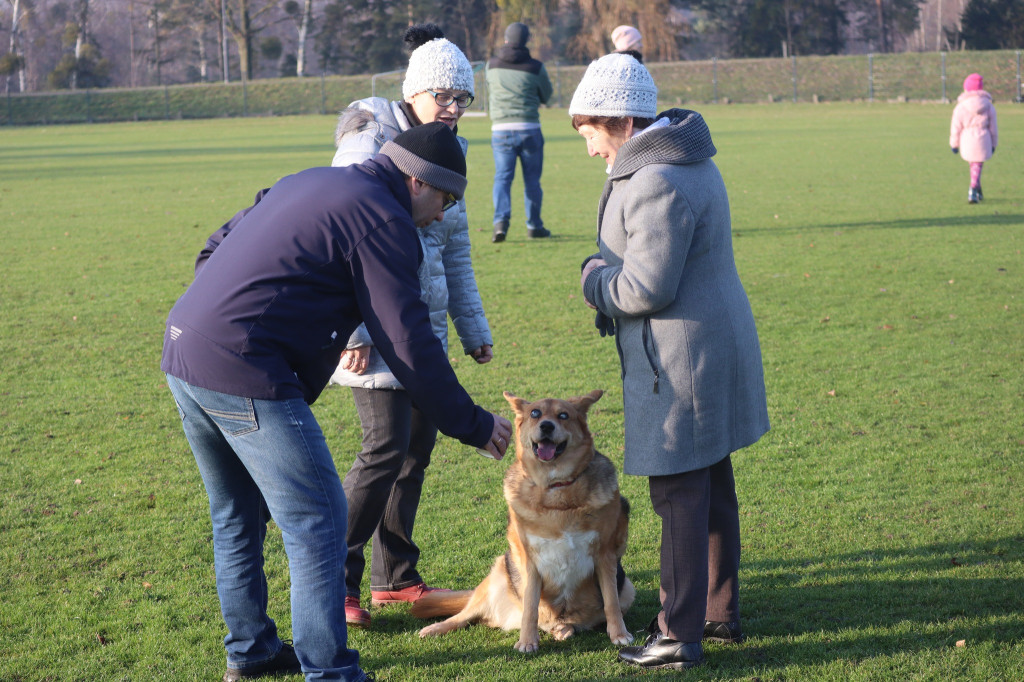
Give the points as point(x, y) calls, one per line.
point(500, 229)
point(972, 196)
point(284, 662)
point(538, 233)
point(723, 633)
point(981, 197)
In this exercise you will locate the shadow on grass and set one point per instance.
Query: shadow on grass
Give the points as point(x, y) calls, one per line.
point(465, 646)
point(881, 587)
point(810, 610)
point(857, 605)
point(979, 220)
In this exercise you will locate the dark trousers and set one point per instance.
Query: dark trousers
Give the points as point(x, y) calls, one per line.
point(383, 489)
point(700, 549)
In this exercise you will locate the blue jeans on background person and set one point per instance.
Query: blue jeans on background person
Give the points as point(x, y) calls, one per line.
point(528, 147)
point(263, 459)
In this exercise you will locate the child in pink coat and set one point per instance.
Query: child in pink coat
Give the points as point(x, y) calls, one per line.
point(973, 130)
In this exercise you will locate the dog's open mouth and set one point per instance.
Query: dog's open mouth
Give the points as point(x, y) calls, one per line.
point(546, 449)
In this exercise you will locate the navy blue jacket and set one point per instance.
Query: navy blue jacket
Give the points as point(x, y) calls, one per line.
point(280, 288)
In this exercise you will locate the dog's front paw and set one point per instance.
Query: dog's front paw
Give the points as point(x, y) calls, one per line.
point(620, 635)
point(434, 630)
point(528, 645)
point(562, 631)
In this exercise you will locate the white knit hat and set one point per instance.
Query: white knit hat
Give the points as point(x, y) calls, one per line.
point(616, 85)
point(437, 64)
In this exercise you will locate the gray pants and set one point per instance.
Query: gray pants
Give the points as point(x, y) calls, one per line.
point(383, 488)
point(700, 549)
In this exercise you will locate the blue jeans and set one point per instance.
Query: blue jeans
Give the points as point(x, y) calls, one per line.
point(263, 459)
point(528, 147)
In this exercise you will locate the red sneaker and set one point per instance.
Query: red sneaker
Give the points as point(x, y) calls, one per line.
point(355, 615)
point(406, 594)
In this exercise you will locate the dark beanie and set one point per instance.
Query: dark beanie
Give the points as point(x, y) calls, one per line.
point(517, 34)
point(431, 153)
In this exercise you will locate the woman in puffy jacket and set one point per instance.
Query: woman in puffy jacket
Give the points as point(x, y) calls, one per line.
point(384, 484)
point(973, 132)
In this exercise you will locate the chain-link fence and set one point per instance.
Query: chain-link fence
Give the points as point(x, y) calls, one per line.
point(932, 76)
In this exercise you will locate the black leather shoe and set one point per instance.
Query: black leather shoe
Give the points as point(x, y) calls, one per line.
point(538, 233)
point(284, 662)
point(659, 651)
point(723, 633)
point(500, 229)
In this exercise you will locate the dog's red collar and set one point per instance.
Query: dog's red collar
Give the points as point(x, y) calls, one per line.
point(562, 484)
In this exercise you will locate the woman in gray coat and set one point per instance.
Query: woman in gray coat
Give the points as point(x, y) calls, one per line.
point(385, 482)
point(665, 284)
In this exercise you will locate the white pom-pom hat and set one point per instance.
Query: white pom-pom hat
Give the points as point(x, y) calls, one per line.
point(438, 64)
point(616, 85)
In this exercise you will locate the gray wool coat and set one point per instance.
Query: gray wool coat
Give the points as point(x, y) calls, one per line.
point(692, 379)
point(447, 280)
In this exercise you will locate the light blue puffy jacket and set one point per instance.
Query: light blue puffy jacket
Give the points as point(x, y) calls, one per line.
point(446, 273)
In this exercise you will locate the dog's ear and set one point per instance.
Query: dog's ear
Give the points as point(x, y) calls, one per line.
point(515, 401)
point(584, 402)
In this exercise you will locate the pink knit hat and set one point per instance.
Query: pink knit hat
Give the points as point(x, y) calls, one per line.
point(627, 38)
point(974, 82)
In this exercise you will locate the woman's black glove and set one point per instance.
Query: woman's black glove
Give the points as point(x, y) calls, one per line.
point(604, 324)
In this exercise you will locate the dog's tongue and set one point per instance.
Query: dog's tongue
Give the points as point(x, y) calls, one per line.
point(545, 451)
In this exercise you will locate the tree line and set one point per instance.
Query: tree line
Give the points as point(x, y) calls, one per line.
point(75, 44)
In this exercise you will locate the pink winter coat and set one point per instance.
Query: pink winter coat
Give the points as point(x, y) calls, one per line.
point(973, 128)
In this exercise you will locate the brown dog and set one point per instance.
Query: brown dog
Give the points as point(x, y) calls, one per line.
point(566, 533)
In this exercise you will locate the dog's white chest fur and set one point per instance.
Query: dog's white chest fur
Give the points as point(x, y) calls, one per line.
point(564, 562)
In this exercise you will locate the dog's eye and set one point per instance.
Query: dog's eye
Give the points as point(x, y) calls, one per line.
point(563, 415)
point(535, 414)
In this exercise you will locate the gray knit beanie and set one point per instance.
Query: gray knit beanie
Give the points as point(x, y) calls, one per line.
point(431, 153)
point(616, 85)
point(517, 34)
point(435, 65)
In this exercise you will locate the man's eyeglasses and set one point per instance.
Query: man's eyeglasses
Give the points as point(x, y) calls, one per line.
point(445, 99)
point(449, 201)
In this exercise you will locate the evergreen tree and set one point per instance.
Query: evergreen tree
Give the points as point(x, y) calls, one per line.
point(993, 24)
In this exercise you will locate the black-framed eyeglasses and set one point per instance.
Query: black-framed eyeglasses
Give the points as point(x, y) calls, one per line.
point(445, 99)
point(449, 201)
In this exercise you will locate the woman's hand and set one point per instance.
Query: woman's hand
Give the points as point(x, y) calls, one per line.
point(587, 269)
point(483, 354)
point(356, 359)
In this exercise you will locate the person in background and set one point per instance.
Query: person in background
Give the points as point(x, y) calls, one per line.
point(252, 343)
point(627, 40)
point(517, 84)
point(973, 131)
point(385, 482)
point(665, 285)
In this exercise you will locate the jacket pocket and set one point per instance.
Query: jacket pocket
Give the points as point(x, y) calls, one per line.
point(651, 351)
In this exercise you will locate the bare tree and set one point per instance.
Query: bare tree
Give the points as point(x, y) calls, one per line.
point(199, 20)
point(245, 19)
point(303, 17)
point(14, 61)
point(81, 28)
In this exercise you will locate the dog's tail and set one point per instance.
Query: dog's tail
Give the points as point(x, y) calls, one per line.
point(438, 603)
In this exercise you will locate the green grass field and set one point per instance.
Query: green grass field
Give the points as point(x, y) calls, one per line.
point(883, 517)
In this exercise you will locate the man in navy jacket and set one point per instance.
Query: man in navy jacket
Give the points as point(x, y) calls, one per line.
point(253, 341)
